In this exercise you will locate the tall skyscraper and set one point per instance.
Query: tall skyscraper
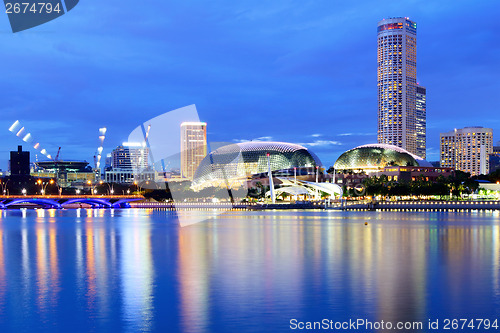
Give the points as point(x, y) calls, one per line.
point(397, 86)
point(467, 149)
point(421, 126)
point(193, 147)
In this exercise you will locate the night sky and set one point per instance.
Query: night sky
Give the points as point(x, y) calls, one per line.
point(296, 71)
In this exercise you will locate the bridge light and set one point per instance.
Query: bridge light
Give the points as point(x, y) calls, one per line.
point(39, 181)
point(52, 181)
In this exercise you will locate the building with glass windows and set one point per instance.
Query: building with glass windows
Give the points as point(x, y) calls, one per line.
point(467, 149)
point(130, 156)
point(495, 158)
point(233, 165)
point(421, 122)
point(398, 120)
point(193, 147)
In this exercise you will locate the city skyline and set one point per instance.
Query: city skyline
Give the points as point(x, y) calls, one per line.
point(244, 68)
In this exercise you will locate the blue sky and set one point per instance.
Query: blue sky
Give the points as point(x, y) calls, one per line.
point(297, 71)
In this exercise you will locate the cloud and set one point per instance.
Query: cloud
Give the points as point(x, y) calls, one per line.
point(355, 134)
point(321, 143)
point(316, 135)
point(262, 138)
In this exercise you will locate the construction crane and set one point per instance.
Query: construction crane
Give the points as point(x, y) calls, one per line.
point(57, 155)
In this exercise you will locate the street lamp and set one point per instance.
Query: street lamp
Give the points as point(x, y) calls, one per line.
point(4, 186)
point(43, 185)
point(110, 188)
point(24, 191)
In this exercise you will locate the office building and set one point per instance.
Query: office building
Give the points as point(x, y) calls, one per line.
point(20, 180)
point(398, 121)
point(130, 156)
point(20, 163)
point(467, 149)
point(193, 147)
point(495, 158)
point(421, 122)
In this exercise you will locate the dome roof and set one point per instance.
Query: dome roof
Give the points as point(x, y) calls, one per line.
point(375, 156)
point(241, 160)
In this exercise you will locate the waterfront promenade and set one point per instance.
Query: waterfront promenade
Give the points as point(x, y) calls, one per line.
point(344, 205)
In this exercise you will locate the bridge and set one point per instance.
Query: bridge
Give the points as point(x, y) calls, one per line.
point(62, 201)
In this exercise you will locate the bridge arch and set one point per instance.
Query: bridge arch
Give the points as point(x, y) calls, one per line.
point(94, 202)
point(45, 203)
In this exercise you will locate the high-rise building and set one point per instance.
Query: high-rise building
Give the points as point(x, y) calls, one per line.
point(467, 149)
point(397, 85)
point(495, 158)
point(193, 147)
point(20, 163)
point(421, 126)
point(130, 156)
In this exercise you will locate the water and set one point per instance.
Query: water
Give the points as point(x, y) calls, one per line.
point(137, 270)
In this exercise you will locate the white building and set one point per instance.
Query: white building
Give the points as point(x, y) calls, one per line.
point(397, 86)
point(467, 149)
point(193, 147)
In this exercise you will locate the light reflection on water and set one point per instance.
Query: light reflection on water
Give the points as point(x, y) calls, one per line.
point(136, 270)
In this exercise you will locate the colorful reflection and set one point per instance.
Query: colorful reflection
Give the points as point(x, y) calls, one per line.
point(135, 270)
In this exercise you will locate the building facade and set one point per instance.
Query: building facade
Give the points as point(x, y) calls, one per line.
point(421, 121)
point(372, 158)
point(495, 158)
point(19, 163)
point(233, 165)
point(130, 156)
point(397, 85)
point(467, 149)
point(193, 147)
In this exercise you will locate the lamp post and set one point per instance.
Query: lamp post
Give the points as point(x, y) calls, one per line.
point(43, 185)
point(4, 186)
point(92, 187)
point(111, 190)
point(23, 191)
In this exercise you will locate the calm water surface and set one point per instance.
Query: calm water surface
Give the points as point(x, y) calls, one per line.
point(138, 271)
